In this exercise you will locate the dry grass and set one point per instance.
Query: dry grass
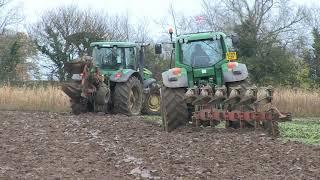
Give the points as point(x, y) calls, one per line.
point(301, 103)
point(33, 99)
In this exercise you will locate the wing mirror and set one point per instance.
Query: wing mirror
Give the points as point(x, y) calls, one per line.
point(235, 41)
point(158, 49)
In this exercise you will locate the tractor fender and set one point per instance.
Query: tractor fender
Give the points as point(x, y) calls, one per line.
point(173, 79)
point(238, 73)
point(148, 82)
point(124, 76)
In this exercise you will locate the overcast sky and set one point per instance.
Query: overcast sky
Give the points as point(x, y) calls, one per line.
point(137, 9)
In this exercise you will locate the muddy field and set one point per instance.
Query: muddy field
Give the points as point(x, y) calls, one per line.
point(54, 146)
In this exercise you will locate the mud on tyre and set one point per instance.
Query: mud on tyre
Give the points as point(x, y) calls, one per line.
point(128, 97)
point(174, 111)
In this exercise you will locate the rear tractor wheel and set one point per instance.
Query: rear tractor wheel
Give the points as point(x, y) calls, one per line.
point(128, 97)
point(174, 110)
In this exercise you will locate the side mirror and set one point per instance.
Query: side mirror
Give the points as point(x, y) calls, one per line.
point(235, 41)
point(158, 49)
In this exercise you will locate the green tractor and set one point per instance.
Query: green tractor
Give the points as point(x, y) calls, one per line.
point(113, 80)
point(205, 85)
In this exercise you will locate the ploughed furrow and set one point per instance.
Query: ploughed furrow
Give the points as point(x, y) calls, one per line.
point(44, 145)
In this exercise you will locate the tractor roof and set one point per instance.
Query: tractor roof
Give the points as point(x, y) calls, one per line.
point(111, 44)
point(200, 36)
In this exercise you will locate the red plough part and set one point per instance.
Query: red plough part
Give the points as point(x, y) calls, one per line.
point(239, 106)
point(266, 120)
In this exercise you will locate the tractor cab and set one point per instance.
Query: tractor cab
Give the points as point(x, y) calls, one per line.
point(203, 58)
point(200, 53)
point(114, 58)
point(115, 55)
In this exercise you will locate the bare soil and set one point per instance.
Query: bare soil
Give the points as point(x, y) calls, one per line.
point(35, 145)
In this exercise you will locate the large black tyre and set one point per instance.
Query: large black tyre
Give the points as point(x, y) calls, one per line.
point(78, 107)
point(128, 97)
point(102, 99)
point(174, 110)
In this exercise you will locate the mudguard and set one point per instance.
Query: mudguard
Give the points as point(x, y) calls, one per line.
point(238, 73)
point(173, 79)
point(147, 82)
point(123, 75)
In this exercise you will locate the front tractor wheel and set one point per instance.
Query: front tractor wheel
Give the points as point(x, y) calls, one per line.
point(128, 97)
point(151, 104)
point(174, 110)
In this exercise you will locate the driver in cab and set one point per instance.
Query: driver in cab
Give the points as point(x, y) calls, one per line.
point(199, 57)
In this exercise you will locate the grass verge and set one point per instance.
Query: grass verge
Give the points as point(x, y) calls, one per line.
point(303, 130)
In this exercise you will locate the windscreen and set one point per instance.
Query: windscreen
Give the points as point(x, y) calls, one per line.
point(108, 57)
point(203, 53)
point(115, 58)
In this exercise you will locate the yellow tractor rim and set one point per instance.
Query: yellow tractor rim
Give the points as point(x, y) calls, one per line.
point(154, 103)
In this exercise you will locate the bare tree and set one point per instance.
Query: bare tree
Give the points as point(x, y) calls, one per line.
point(182, 23)
point(140, 32)
point(9, 15)
point(65, 33)
point(268, 19)
point(216, 16)
point(267, 28)
point(313, 17)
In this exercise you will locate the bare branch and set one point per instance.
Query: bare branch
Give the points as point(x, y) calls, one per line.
point(173, 15)
point(9, 15)
point(65, 33)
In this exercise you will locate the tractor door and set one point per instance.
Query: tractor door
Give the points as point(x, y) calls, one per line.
point(130, 58)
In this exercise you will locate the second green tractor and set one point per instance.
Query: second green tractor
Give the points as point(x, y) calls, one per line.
point(113, 80)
